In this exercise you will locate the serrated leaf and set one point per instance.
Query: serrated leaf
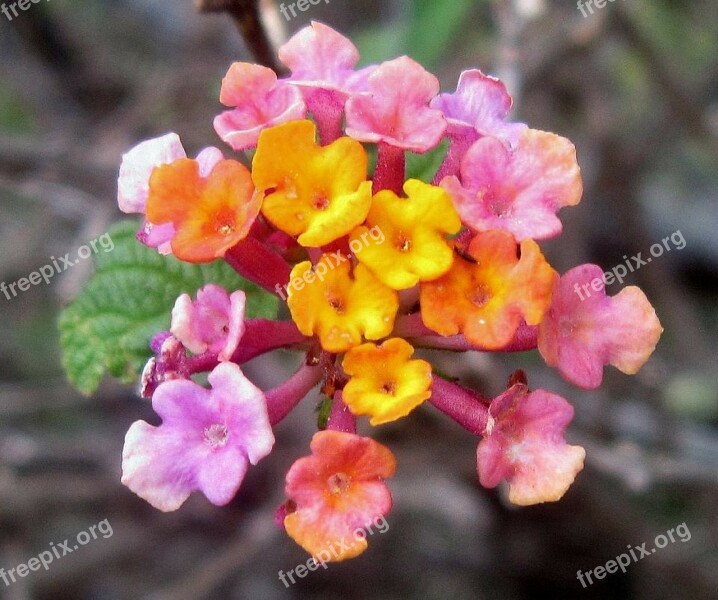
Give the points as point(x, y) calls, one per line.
point(130, 298)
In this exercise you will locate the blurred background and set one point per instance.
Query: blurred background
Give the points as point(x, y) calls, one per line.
point(634, 85)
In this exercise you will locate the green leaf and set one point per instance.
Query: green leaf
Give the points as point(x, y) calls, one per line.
point(129, 298)
point(425, 166)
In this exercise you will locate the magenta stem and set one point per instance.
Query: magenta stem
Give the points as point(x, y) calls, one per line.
point(327, 111)
point(458, 146)
point(464, 406)
point(282, 399)
point(254, 261)
point(411, 326)
point(260, 336)
point(525, 339)
point(390, 169)
point(340, 417)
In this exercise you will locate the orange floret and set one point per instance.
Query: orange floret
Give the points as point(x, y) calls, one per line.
point(314, 192)
point(210, 215)
point(338, 491)
point(486, 294)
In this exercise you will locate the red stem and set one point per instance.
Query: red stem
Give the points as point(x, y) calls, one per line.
point(390, 167)
point(283, 398)
point(525, 339)
point(340, 417)
point(411, 326)
point(464, 406)
point(260, 336)
point(254, 261)
point(458, 146)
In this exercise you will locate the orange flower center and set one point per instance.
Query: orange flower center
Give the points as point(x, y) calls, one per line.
point(338, 483)
point(480, 295)
point(320, 202)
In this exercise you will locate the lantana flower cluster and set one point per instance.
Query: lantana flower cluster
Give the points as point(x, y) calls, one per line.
point(457, 267)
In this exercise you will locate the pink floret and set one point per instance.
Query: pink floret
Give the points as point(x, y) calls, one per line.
point(524, 445)
point(584, 329)
point(213, 322)
point(396, 109)
point(259, 101)
point(517, 190)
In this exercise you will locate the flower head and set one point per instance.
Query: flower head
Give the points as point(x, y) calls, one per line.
point(318, 193)
point(384, 383)
point(396, 109)
point(205, 442)
point(487, 294)
point(338, 305)
point(259, 101)
point(415, 226)
point(517, 190)
point(524, 445)
point(210, 205)
point(215, 321)
point(584, 329)
point(338, 491)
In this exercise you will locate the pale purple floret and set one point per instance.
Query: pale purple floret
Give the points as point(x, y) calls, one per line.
point(205, 443)
point(480, 104)
point(479, 107)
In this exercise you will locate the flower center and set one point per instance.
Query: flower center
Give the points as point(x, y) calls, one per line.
point(320, 202)
point(338, 483)
point(480, 295)
point(402, 243)
point(497, 203)
point(216, 435)
point(389, 388)
point(336, 303)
